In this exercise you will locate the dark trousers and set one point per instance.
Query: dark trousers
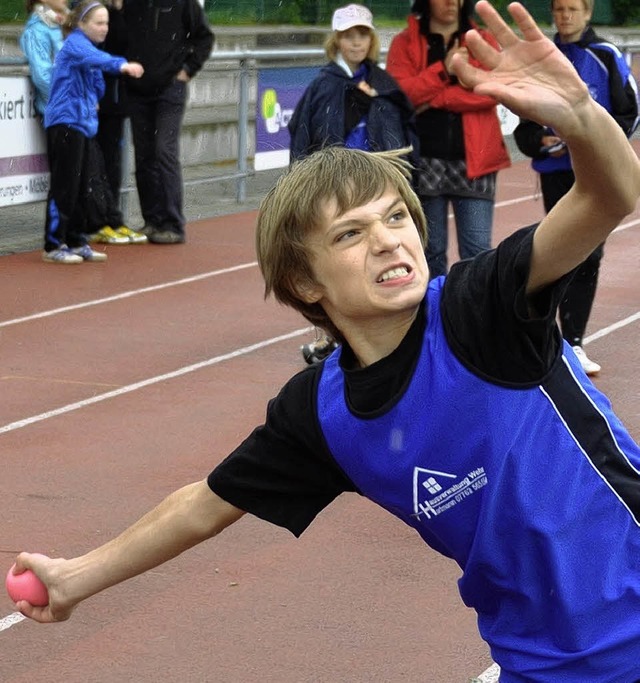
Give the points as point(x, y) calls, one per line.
point(102, 206)
point(68, 166)
point(155, 124)
point(110, 138)
point(575, 307)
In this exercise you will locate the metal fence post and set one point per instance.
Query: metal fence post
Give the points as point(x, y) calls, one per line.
point(243, 127)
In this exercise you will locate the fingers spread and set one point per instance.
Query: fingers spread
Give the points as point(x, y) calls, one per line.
point(496, 24)
point(486, 54)
point(525, 22)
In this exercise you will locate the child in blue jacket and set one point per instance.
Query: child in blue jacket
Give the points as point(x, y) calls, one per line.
point(41, 41)
point(71, 120)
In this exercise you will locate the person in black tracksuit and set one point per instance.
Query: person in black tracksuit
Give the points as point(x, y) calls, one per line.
point(172, 39)
point(612, 84)
point(113, 105)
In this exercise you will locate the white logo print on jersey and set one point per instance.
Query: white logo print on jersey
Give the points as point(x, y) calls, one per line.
point(433, 492)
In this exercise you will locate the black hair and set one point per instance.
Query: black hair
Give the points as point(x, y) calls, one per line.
point(423, 8)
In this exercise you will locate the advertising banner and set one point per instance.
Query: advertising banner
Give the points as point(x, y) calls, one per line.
point(24, 176)
point(279, 90)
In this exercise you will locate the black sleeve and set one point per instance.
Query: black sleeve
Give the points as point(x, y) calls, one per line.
point(199, 38)
point(528, 136)
point(624, 101)
point(283, 472)
point(488, 320)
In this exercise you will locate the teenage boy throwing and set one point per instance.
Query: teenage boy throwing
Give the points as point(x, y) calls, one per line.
point(536, 493)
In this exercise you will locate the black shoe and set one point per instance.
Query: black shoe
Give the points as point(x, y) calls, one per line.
point(317, 351)
point(147, 229)
point(165, 237)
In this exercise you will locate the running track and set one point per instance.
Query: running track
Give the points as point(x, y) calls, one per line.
point(122, 381)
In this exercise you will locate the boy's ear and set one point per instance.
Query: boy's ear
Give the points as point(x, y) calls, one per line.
point(307, 291)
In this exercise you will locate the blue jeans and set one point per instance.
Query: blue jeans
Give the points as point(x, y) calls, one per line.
point(474, 220)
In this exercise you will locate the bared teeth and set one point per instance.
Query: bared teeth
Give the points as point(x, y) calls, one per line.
point(393, 274)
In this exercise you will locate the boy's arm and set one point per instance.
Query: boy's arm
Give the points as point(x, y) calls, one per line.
point(185, 518)
point(534, 79)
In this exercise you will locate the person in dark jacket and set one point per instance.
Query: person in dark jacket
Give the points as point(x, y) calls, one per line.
point(352, 103)
point(611, 83)
point(172, 40)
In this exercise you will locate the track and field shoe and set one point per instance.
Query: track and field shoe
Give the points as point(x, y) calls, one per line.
point(62, 255)
point(86, 253)
point(588, 365)
point(107, 235)
point(133, 236)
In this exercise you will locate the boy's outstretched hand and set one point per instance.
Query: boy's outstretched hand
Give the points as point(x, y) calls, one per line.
point(529, 75)
point(59, 608)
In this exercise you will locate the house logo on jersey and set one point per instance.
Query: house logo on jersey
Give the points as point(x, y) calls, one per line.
point(436, 492)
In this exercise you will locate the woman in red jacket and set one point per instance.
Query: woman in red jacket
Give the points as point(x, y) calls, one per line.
point(461, 144)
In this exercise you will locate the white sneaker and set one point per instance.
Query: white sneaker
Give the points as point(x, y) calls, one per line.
point(61, 255)
point(86, 253)
point(588, 365)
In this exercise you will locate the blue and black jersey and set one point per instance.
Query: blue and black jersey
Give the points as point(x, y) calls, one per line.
point(482, 433)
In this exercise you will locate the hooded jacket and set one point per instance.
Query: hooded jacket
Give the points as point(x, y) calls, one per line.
point(165, 36)
point(485, 149)
point(41, 41)
point(319, 118)
point(77, 84)
point(603, 68)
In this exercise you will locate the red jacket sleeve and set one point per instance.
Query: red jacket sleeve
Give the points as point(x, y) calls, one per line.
point(430, 85)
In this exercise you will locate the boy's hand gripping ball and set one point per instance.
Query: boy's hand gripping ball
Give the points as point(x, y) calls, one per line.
point(26, 586)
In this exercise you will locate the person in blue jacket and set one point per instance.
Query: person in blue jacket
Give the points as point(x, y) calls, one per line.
point(40, 42)
point(71, 120)
point(611, 83)
point(354, 103)
point(453, 402)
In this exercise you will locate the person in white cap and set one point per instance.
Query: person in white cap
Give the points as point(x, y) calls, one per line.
point(352, 103)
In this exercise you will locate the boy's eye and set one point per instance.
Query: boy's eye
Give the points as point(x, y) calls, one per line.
point(399, 215)
point(345, 235)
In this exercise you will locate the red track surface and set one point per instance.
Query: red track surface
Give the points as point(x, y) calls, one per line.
point(358, 598)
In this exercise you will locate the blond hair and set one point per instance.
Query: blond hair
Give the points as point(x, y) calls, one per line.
point(296, 207)
point(331, 46)
point(588, 4)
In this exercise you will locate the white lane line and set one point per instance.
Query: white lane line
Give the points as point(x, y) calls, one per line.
point(126, 295)
point(612, 328)
point(11, 620)
point(204, 276)
point(624, 226)
point(152, 380)
point(491, 675)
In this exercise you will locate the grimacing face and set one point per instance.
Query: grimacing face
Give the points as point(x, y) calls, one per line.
point(368, 263)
